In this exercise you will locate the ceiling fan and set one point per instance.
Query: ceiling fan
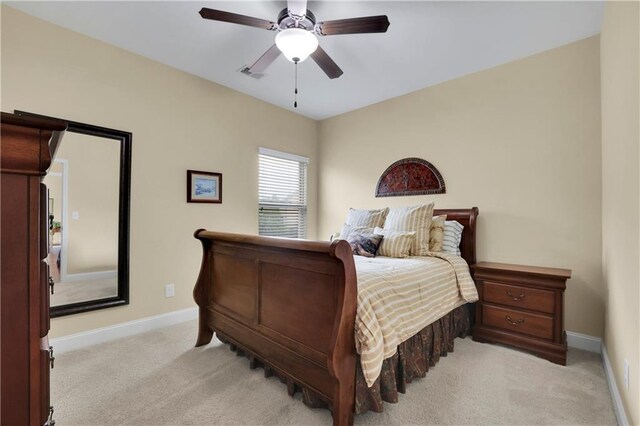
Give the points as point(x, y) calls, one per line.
point(297, 29)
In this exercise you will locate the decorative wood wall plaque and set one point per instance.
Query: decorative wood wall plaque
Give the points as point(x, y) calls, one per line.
point(410, 176)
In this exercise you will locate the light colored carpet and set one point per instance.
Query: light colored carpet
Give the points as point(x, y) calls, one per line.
point(159, 378)
point(82, 291)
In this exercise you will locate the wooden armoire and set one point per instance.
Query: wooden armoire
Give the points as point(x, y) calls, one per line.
point(26, 152)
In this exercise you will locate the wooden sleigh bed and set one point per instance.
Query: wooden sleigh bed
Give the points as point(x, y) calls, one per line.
point(290, 306)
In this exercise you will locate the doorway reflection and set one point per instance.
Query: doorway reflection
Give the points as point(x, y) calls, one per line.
point(83, 185)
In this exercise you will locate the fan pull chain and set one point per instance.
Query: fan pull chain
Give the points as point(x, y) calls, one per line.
point(295, 92)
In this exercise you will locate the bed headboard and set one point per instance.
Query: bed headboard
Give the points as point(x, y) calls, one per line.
point(467, 218)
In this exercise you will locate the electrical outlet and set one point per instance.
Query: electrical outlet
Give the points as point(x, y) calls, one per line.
point(626, 374)
point(75, 215)
point(169, 290)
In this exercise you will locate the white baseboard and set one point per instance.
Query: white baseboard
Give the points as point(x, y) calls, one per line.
point(584, 342)
point(594, 344)
point(618, 407)
point(90, 276)
point(105, 334)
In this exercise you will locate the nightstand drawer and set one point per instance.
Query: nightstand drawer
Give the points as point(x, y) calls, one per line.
point(537, 325)
point(519, 297)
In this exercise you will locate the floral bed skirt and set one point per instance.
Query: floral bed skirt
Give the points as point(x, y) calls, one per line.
point(413, 359)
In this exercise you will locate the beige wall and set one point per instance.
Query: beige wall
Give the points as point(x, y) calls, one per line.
point(93, 168)
point(178, 122)
point(520, 141)
point(620, 60)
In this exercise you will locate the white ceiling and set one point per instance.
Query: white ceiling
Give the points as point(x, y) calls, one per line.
point(427, 43)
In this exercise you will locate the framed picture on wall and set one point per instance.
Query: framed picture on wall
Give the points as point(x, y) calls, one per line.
point(204, 187)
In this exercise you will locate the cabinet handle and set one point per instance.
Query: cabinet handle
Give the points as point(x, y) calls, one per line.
point(51, 284)
point(516, 322)
point(51, 357)
point(50, 421)
point(520, 297)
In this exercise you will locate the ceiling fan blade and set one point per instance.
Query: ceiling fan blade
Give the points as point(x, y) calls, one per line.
point(234, 18)
point(265, 60)
point(366, 24)
point(297, 7)
point(324, 61)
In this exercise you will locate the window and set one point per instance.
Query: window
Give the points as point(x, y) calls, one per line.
point(282, 194)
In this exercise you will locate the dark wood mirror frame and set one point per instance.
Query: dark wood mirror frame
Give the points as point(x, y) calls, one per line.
point(123, 215)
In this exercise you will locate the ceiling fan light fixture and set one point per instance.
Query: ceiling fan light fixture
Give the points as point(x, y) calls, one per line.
point(296, 44)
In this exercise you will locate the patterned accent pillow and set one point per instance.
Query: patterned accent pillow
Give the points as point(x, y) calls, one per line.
point(362, 219)
point(436, 233)
point(395, 243)
point(452, 237)
point(364, 243)
point(412, 219)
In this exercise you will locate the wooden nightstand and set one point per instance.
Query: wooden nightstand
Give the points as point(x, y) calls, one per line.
point(522, 306)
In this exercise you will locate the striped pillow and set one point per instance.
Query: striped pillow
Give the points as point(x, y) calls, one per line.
point(452, 237)
point(362, 219)
point(356, 230)
point(415, 218)
point(395, 243)
point(436, 233)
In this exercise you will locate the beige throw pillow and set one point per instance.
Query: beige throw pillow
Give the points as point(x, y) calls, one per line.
point(395, 243)
point(412, 219)
point(363, 219)
point(436, 233)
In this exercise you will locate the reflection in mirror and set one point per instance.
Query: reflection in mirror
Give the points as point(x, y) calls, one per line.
point(83, 223)
point(89, 184)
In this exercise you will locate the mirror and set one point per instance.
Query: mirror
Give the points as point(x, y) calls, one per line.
point(89, 183)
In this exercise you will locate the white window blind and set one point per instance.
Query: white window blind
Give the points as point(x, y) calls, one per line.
point(282, 194)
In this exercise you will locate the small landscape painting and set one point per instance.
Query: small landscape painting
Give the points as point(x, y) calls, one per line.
point(204, 187)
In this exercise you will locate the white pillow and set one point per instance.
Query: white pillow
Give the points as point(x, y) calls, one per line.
point(452, 237)
point(362, 219)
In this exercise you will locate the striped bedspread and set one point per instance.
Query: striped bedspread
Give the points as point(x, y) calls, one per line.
point(399, 297)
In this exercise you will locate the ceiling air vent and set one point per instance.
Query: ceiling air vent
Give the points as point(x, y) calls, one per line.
point(247, 71)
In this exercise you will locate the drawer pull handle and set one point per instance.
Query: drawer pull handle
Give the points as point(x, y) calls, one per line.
point(520, 297)
point(51, 357)
point(516, 322)
point(52, 284)
point(50, 421)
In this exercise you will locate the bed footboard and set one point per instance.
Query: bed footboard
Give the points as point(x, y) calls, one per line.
point(290, 304)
